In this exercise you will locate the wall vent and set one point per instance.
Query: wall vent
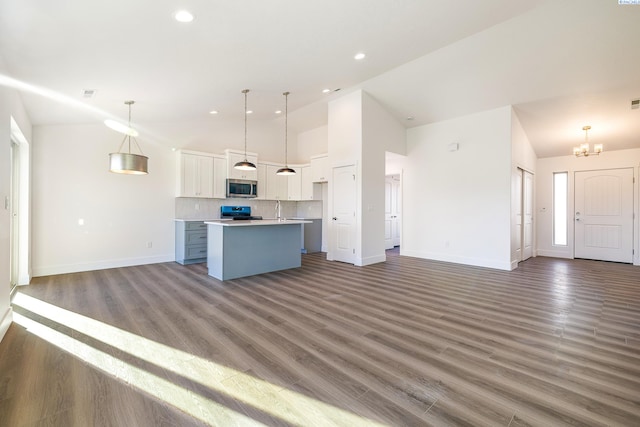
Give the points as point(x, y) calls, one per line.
point(635, 104)
point(88, 93)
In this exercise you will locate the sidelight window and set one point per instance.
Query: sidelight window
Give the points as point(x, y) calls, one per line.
point(560, 201)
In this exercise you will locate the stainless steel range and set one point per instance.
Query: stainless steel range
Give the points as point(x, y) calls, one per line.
point(237, 213)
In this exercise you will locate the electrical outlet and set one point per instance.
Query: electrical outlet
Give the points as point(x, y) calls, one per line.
point(149, 245)
point(197, 206)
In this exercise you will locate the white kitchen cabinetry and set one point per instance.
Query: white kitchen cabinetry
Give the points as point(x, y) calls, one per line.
point(294, 185)
point(306, 183)
point(320, 168)
point(262, 181)
point(219, 177)
point(277, 185)
point(234, 157)
point(195, 175)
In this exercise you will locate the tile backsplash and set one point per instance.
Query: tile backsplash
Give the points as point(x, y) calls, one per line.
point(198, 208)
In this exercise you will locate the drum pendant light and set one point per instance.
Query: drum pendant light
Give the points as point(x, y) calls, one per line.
point(286, 170)
point(128, 163)
point(245, 165)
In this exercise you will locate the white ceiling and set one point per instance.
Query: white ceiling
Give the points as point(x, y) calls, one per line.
point(561, 63)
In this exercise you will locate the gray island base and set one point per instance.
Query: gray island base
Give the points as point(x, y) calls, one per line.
point(245, 248)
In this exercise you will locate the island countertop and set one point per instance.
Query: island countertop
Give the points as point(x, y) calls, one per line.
point(249, 223)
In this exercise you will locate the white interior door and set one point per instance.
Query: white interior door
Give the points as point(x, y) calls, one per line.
point(14, 203)
point(517, 205)
point(604, 215)
point(343, 217)
point(527, 215)
point(388, 215)
point(396, 208)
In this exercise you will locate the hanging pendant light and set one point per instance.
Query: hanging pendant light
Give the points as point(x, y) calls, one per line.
point(583, 149)
point(128, 163)
point(286, 170)
point(245, 165)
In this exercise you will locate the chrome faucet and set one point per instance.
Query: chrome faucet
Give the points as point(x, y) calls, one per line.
point(278, 209)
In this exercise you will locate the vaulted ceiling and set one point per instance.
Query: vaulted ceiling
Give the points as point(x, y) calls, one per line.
point(562, 64)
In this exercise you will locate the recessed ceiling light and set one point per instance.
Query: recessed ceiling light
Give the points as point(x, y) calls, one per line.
point(278, 111)
point(213, 112)
point(249, 111)
point(359, 56)
point(326, 90)
point(183, 16)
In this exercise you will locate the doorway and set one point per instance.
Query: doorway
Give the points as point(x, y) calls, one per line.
point(392, 207)
point(14, 199)
point(603, 220)
point(524, 214)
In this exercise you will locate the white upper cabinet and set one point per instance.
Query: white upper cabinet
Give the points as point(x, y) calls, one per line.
point(262, 181)
point(294, 185)
point(195, 175)
point(306, 183)
point(234, 157)
point(219, 177)
point(277, 185)
point(320, 168)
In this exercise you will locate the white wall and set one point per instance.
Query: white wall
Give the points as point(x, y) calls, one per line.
point(121, 213)
point(523, 157)
point(571, 164)
point(217, 133)
point(344, 147)
point(10, 106)
point(456, 205)
point(381, 132)
point(311, 143)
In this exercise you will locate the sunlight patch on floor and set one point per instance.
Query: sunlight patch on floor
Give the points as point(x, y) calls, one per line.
point(189, 402)
point(287, 405)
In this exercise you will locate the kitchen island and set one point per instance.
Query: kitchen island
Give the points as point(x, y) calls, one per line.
point(244, 248)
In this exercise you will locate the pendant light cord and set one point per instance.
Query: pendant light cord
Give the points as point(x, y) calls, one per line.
point(127, 137)
point(286, 127)
point(129, 104)
point(245, 124)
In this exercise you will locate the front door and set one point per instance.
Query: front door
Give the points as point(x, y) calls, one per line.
point(343, 218)
point(604, 215)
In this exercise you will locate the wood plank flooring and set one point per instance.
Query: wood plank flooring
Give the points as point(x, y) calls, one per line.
point(408, 342)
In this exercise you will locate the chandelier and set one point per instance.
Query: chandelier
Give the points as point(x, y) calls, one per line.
point(583, 149)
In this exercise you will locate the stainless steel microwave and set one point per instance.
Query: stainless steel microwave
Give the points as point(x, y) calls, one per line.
point(242, 188)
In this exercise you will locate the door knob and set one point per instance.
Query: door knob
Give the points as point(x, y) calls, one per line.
point(335, 218)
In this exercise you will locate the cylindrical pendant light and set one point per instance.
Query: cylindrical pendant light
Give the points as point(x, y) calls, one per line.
point(286, 170)
point(245, 165)
point(128, 163)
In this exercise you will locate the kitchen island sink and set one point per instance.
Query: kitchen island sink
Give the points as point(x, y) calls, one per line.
point(245, 248)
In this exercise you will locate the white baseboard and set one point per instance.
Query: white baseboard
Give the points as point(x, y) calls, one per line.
point(100, 265)
point(6, 322)
point(361, 262)
point(476, 262)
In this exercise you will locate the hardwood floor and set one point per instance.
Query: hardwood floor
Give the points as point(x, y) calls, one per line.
point(405, 342)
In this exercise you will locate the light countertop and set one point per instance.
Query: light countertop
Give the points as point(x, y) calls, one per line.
point(248, 223)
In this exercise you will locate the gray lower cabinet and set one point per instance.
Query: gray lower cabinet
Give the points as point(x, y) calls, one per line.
point(313, 236)
point(191, 242)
